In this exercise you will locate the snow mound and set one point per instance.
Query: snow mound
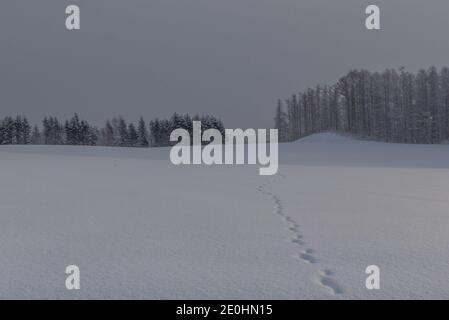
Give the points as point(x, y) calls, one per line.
point(328, 149)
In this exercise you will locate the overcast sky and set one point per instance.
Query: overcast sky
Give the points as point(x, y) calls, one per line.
point(231, 58)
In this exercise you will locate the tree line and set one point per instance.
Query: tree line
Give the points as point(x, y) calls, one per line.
point(115, 132)
point(392, 106)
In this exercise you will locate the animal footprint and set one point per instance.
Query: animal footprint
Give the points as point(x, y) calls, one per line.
point(325, 278)
point(297, 241)
point(288, 219)
point(308, 256)
point(327, 281)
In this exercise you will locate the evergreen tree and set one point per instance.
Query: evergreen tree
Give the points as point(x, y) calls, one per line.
point(155, 131)
point(108, 139)
point(122, 133)
point(133, 138)
point(26, 131)
point(36, 136)
point(142, 134)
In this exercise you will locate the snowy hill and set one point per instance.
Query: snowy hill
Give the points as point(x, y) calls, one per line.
point(332, 149)
point(139, 227)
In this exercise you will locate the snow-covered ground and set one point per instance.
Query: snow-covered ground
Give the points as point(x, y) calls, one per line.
point(139, 227)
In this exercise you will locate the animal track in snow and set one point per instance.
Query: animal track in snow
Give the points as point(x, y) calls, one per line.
point(308, 256)
point(297, 240)
point(292, 225)
point(325, 278)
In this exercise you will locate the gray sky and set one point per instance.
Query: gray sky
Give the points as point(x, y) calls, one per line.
point(231, 58)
